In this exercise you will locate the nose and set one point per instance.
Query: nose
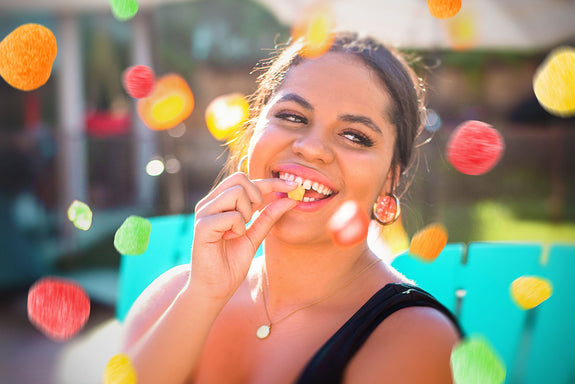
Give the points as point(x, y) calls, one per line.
point(313, 147)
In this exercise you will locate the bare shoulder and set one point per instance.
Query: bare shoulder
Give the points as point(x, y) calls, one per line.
point(413, 345)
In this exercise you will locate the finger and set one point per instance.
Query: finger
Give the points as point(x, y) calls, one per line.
point(274, 185)
point(211, 229)
point(231, 199)
point(267, 218)
point(238, 178)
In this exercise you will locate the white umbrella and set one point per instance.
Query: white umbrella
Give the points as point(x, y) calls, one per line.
point(498, 24)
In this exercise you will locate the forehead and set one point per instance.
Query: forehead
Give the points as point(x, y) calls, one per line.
point(340, 79)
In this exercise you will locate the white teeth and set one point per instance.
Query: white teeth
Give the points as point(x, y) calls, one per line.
point(307, 184)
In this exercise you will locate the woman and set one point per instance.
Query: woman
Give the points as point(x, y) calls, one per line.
point(343, 125)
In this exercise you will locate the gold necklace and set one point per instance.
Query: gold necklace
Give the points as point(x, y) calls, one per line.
point(265, 330)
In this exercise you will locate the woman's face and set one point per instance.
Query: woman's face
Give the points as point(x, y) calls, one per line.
point(327, 125)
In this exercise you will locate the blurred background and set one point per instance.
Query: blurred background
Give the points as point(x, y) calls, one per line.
point(78, 136)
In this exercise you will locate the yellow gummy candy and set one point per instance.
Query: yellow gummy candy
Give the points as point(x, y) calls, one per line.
point(554, 82)
point(530, 291)
point(297, 194)
point(119, 370)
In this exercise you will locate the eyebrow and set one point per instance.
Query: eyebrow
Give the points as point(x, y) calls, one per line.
point(362, 120)
point(296, 98)
point(350, 118)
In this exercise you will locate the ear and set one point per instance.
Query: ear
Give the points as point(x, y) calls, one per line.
point(392, 180)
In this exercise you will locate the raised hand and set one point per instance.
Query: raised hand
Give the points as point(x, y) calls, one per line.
point(223, 245)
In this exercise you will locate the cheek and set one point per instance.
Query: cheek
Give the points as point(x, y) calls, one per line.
point(265, 143)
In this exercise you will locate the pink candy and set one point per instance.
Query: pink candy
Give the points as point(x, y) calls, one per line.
point(474, 147)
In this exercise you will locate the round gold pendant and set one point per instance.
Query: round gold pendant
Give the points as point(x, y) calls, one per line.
point(263, 331)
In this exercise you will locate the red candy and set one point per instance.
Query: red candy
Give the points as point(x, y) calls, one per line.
point(138, 81)
point(474, 147)
point(58, 307)
point(348, 225)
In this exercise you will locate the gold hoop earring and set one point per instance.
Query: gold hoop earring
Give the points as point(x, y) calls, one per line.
point(386, 209)
point(242, 163)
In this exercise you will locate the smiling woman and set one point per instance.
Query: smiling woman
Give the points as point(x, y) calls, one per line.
point(341, 127)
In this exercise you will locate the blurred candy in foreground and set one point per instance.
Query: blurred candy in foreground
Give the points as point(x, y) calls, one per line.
point(138, 81)
point(474, 147)
point(530, 291)
point(348, 225)
point(462, 30)
point(80, 215)
point(124, 9)
point(133, 235)
point(428, 243)
point(58, 307)
point(225, 114)
point(473, 361)
point(554, 82)
point(119, 370)
point(170, 103)
point(315, 29)
point(27, 55)
point(443, 9)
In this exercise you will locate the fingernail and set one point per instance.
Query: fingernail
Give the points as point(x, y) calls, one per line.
point(291, 183)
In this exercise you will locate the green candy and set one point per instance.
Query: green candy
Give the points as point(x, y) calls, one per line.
point(473, 361)
point(133, 235)
point(124, 9)
point(80, 215)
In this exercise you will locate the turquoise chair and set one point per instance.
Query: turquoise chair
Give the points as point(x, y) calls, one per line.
point(536, 344)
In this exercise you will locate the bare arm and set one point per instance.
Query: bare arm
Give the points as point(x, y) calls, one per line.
point(412, 346)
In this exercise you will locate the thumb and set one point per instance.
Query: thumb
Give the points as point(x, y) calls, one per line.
point(262, 225)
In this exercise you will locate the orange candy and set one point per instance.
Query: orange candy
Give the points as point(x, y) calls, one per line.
point(120, 370)
point(428, 243)
point(315, 30)
point(170, 103)
point(348, 225)
point(225, 114)
point(27, 55)
point(443, 9)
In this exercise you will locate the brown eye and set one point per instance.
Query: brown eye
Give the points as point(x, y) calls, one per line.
point(357, 138)
point(291, 117)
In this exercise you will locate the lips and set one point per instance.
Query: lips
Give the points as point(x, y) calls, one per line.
point(316, 185)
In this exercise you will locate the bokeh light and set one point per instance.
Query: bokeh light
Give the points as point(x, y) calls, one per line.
point(474, 147)
point(443, 9)
point(349, 225)
point(170, 103)
point(225, 114)
point(428, 243)
point(473, 361)
point(27, 55)
point(80, 214)
point(432, 120)
point(554, 82)
point(315, 28)
point(124, 9)
point(138, 81)
point(529, 291)
point(119, 370)
point(133, 236)
point(58, 307)
point(155, 167)
point(178, 131)
point(173, 165)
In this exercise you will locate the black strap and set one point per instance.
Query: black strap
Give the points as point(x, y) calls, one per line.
point(330, 362)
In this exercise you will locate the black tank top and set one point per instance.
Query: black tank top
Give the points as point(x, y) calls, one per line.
point(329, 363)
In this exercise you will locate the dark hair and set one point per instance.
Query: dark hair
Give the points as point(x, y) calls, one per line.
point(391, 67)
